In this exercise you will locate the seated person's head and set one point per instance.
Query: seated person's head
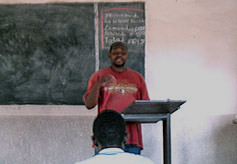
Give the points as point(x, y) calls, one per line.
point(109, 130)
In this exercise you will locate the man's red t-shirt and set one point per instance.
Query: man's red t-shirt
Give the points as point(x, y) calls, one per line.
point(128, 86)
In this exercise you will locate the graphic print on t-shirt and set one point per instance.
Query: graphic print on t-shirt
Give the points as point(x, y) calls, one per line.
point(121, 88)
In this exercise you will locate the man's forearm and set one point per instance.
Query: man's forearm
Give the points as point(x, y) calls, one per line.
point(91, 99)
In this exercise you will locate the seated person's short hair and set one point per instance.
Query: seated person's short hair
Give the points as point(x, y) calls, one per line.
point(109, 128)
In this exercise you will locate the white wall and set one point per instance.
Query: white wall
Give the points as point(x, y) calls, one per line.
point(190, 55)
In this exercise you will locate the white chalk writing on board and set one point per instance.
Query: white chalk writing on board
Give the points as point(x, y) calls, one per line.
point(122, 24)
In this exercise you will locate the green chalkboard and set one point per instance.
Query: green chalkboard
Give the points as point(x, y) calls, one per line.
point(46, 53)
point(49, 51)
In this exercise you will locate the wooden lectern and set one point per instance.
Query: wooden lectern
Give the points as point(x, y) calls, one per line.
point(152, 111)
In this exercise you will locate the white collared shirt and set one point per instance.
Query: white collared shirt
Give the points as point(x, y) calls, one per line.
point(116, 156)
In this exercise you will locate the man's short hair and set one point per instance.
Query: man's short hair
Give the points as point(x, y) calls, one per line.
point(116, 45)
point(109, 128)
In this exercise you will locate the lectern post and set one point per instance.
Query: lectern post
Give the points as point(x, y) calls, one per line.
point(167, 140)
point(152, 111)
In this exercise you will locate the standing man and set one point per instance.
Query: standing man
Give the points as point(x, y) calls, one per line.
point(116, 87)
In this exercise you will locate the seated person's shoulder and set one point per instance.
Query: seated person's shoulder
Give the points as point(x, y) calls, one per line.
point(139, 159)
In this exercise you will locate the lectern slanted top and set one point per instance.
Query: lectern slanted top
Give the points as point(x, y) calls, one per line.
point(150, 111)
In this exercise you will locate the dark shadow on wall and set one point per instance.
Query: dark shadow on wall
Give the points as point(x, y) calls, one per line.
point(226, 141)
